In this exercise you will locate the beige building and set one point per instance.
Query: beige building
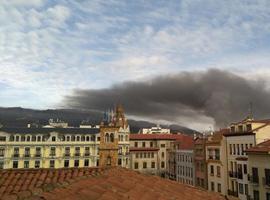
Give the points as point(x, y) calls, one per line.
point(243, 135)
point(217, 162)
point(259, 171)
point(156, 146)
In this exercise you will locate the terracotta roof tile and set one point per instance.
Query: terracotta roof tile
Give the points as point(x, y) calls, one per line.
point(111, 184)
point(263, 147)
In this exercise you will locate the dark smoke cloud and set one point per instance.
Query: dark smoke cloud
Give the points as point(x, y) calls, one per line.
point(188, 97)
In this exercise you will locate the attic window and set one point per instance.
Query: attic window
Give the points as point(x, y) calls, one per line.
point(2, 138)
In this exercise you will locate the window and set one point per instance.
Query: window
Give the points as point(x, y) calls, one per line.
point(245, 168)
point(111, 137)
point(152, 155)
point(66, 163)
point(162, 154)
point(87, 151)
point(15, 164)
point(143, 144)
point(39, 138)
point(11, 138)
point(52, 163)
point(136, 144)
point(53, 138)
point(2, 138)
point(153, 165)
point(77, 151)
point(76, 163)
point(67, 151)
point(37, 164)
point(246, 189)
point(1, 164)
point(52, 152)
point(267, 196)
point(234, 151)
point(255, 177)
point(109, 161)
point(87, 138)
point(212, 186)
point(162, 164)
point(242, 149)
point(2, 152)
point(16, 152)
point(256, 195)
point(230, 149)
point(267, 176)
point(151, 144)
point(144, 165)
point(218, 171)
point(249, 127)
point(78, 138)
point(238, 150)
point(219, 187)
point(86, 162)
point(26, 164)
point(27, 152)
point(212, 170)
point(241, 188)
point(163, 145)
point(119, 161)
point(38, 152)
point(136, 165)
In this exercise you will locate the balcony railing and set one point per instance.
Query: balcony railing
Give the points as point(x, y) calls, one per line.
point(266, 181)
point(27, 155)
point(37, 155)
point(232, 193)
point(253, 179)
point(66, 154)
point(16, 155)
point(232, 174)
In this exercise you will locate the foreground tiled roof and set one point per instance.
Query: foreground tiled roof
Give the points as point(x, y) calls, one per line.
point(263, 147)
point(92, 184)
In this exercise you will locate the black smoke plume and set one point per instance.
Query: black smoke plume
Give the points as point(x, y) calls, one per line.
point(187, 97)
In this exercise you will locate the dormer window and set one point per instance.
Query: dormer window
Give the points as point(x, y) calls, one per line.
point(249, 127)
point(233, 129)
point(240, 128)
point(53, 138)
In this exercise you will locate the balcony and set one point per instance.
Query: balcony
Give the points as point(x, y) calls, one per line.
point(240, 175)
point(77, 154)
point(232, 193)
point(66, 154)
point(253, 179)
point(27, 155)
point(37, 155)
point(16, 155)
point(266, 182)
point(233, 174)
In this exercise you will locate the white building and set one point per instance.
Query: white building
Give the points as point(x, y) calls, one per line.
point(155, 130)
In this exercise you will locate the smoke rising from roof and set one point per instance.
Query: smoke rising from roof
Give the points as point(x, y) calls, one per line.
point(205, 97)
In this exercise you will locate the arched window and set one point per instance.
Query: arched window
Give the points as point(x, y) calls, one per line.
point(63, 138)
point(17, 138)
point(53, 138)
point(111, 137)
point(28, 138)
point(23, 138)
point(119, 138)
point(78, 138)
point(39, 138)
point(72, 138)
point(93, 138)
point(122, 137)
point(107, 137)
point(11, 138)
point(68, 138)
point(126, 138)
point(87, 138)
point(83, 138)
point(34, 138)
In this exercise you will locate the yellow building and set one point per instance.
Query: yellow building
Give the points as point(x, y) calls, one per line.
point(216, 160)
point(66, 147)
point(259, 171)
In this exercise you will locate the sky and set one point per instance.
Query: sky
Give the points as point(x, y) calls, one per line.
point(51, 49)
